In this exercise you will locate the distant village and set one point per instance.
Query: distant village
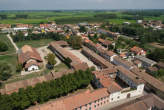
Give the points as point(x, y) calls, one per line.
point(119, 75)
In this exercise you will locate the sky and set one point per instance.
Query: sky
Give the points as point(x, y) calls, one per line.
point(79, 4)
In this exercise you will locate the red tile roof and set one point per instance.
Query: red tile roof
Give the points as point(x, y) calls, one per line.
point(33, 62)
point(104, 42)
point(76, 63)
point(142, 103)
point(106, 81)
point(149, 79)
point(96, 57)
point(138, 50)
point(129, 74)
point(27, 53)
point(74, 101)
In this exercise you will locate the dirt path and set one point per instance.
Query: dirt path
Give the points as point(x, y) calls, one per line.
point(157, 45)
point(11, 40)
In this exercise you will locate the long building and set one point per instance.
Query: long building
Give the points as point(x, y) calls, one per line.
point(108, 55)
point(108, 91)
point(58, 48)
point(86, 100)
point(151, 83)
point(98, 60)
point(147, 102)
point(107, 79)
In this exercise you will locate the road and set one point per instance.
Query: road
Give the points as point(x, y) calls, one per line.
point(11, 40)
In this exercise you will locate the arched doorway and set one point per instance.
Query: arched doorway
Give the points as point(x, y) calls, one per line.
point(128, 96)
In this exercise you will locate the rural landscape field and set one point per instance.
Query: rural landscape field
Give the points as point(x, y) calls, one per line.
point(82, 59)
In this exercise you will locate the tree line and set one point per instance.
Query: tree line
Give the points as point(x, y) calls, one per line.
point(145, 35)
point(45, 91)
point(151, 13)
point(5, 72)
point(106, 16)
point(50, 35)
point(157, 55)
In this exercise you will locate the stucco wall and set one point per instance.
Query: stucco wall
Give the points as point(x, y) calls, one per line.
point(33, 67)
point(120, 95)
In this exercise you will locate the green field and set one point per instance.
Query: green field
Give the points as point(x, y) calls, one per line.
point(67, 17)
point(34, 43)
point(4, 39)
point(11, 60)
point(120, 21)
point(60, 67)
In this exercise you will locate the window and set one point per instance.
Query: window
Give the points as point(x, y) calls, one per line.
point(89, 108)
point(112, 99)
point(104, 102)
point(107, 100)
point(118, 97)
point(95, 106)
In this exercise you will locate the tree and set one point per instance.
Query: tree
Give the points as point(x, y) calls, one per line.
point(75, 42)
point(82, 29)
point(19, 67)
point(42, 92)
point(5, 71)
point(157, 55)
point(3, 46)
point(51, 59)
point(68, 62)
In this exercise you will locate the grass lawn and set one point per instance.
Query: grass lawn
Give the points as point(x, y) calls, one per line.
point(4, 39)
point(35, 43)
point(60, 67)
point(161, 78)
point(18, 77)
point(11, 60)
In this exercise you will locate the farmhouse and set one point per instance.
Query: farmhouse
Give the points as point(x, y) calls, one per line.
point(138, 51)
point(29, 58)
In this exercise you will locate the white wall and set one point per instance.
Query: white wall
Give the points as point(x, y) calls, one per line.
point(33, 67)
point(123, 95)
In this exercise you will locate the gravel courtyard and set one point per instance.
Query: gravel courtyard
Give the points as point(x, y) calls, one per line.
point(78, 54)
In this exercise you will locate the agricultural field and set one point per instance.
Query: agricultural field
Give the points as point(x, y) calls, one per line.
point(71, 17)
point(34, 43)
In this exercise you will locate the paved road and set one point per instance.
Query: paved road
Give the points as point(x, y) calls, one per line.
point(11, 40)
